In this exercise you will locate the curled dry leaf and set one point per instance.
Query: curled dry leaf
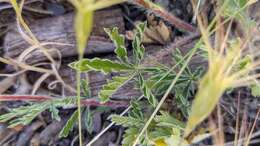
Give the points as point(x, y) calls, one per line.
point(155, 33)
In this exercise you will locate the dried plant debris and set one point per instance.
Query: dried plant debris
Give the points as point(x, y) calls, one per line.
point(156, 33)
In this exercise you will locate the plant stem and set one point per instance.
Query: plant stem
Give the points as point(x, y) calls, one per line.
point(78, 76)
point(165, 96)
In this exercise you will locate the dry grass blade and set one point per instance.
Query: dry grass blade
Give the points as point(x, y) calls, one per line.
point(224, 72)
point(6, 83)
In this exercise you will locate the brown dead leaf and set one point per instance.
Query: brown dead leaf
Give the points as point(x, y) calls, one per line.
point(155, 33)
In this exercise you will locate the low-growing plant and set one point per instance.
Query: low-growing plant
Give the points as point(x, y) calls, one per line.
point(230, 65)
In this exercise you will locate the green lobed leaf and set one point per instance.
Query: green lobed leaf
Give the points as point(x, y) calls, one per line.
point(111, 87)
point(54, 113)
point(130, 136)
point(119, 41)
point(127, 121)
point(166, 120)
point(138, 48)
point(85, 88)
point(97, 64)
point(69, 125)
point(147, 91)
point(88, 120)
point(24, 115)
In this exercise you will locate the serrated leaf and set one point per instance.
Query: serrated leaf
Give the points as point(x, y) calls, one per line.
point(127, 121)
point(54, 113)
point(69, 125)
point(149, 95)
point(130, 136)
point(97, 64)
point(166, 120)
point(119, 42)
point(85, 88)
point(160, 133)
point(111, 87)
point(88, 120)
point(24, 115)
point(138, 49)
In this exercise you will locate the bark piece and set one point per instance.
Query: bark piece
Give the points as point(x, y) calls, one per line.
point(60, 29)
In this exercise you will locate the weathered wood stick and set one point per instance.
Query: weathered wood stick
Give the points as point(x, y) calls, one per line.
point(60, 29)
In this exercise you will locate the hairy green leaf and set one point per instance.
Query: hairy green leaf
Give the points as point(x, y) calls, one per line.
point(166, 120)
point(147, 91)
point(25, 114)
point(85, 88)
point(130, 136)
point(69, 125)
point(127, 121)
point(119, 41)
point(97, 64)
point(138, 48)
point(88, 120)
point(111, 87)
point(54, 113)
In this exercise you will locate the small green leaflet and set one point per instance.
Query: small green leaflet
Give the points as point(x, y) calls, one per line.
point(97, 64)
point(130, 136)
point(85, 88)
point(127, 121)
point(138, 48)
point(119, 41)
point(147, 91)
point(166, 120)
point(54, 112)
point(69, 125)
point(255, 90)
point(111, 87)
point(24, 115)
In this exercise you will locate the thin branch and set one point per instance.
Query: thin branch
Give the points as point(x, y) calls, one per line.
point(173, 20)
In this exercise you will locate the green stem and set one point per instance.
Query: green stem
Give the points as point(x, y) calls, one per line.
point(79, 102)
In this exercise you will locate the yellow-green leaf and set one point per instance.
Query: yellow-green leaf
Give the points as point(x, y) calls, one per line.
point(210, 90)
point(97, 64)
